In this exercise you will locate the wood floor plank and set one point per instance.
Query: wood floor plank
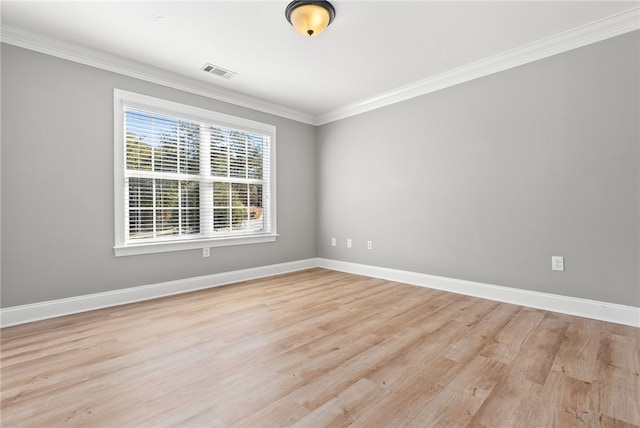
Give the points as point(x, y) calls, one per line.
point(565, 402)
point(506, 345)
point(280, 413)
point(319, 348)
point(402, 394)
point(475, 336)
point(579, 350)
point(460, 399)
point(337, 412)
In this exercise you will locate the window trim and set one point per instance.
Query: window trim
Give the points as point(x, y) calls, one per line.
point(133, 100)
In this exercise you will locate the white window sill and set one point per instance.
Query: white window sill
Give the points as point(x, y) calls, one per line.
point(161, 247)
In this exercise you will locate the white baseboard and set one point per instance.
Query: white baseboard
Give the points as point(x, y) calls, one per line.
point(56, 308)
point(611, 312)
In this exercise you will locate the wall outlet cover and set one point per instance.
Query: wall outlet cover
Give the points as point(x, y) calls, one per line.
point(557, 263)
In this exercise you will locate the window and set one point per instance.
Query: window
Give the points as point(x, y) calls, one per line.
point(190, 178)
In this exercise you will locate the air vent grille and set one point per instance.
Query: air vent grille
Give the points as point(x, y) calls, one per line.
point(218, 71)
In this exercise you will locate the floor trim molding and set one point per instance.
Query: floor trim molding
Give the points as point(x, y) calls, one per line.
point(56, 308)
point(604, 311)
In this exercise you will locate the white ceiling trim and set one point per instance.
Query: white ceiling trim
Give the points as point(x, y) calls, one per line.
point(603, 29)
point(138, 70)
point(581, 36)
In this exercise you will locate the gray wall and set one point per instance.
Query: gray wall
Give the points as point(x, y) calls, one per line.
point(57, 186)
point(485, 181)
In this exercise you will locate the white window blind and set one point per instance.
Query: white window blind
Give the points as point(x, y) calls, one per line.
point(190, 176)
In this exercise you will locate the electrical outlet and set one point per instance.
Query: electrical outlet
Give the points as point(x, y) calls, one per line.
point(206, 252)
point(557, 263)
point(348, 243)
point(333, 242)
point(369, 245)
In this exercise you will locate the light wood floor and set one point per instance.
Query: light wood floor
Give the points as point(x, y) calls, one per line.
point(320, 349)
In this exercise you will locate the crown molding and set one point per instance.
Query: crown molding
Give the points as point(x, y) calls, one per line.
point(603, 29)
point(139, 70)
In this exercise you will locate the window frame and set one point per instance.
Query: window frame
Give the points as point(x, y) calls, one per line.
point(125, 99)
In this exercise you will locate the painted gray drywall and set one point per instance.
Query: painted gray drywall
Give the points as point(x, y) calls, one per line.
point(485, 181)
point(57, 186)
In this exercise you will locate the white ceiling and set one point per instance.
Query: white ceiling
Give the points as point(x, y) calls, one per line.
point(371, 48)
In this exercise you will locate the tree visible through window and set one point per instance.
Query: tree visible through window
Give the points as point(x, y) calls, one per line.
point(238, 157)
point(157, 147)
point(190, 179)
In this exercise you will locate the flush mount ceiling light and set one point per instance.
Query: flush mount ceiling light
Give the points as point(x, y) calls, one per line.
point(310, 18)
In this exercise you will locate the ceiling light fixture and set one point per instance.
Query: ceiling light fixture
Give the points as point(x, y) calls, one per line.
point(310, 18)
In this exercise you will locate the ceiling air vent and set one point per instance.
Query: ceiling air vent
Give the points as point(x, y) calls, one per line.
point(218, 71)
